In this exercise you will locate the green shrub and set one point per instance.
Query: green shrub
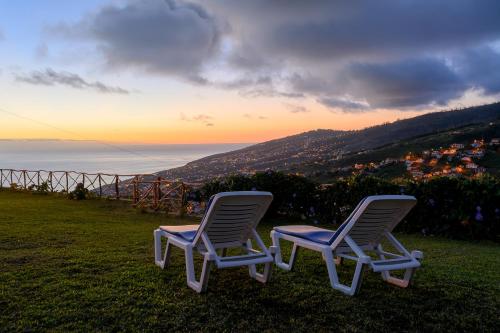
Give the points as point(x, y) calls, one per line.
point(337, 200)
point(453, 207)
point(460, 208)
point(79, 193)
point(293, 195)
point(43, 188)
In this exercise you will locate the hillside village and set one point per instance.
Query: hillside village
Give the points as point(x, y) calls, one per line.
point(457, 160)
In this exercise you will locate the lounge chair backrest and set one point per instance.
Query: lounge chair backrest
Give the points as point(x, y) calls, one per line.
point(231, 217)
point(372, 218)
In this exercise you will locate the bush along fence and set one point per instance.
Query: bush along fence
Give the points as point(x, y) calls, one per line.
point(144, 191)
point(451, 207)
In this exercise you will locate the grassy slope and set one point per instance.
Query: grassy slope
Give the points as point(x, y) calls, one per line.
point(87, 266)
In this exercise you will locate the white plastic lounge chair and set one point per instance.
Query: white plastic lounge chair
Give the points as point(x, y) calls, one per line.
point(373, 219)
point(229, 222)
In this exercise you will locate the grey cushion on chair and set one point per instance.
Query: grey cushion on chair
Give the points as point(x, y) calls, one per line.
point(313, 234)
point(185, 231)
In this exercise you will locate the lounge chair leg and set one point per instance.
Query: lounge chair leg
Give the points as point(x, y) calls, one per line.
point(157, 241)
point(261, 277)
point(166, 257)
point(358, 277)
point(404, 282)
point(332, 271)
point(278, 258)
point(159, 261)
point(201, 285)
point(408, 276)
point(334, 278)
point(252, 269)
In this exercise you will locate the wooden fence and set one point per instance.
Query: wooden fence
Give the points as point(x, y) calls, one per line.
point(144, 191)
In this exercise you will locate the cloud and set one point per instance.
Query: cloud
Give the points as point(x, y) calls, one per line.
point(255, 86)
point(293, 108)
point(344, 104)
point(407, 83)
point(159, 36)
point(349, 56)
point(390, 55)
point(42, 51)
point(321, 30)
point(50, 77)
point(244, 82)
point(184, 117)
point(201, 118)
point(249, 116)
point(480, 67)
point(403, 84)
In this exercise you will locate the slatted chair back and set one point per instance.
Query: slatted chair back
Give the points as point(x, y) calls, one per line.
point(232, 216)
point(374, 216)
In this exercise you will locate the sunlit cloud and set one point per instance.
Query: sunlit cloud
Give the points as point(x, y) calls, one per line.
point(294, 108)
point(249, 116)
point(200, 118)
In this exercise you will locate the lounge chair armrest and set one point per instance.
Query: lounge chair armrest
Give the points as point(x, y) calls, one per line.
point(419, 255)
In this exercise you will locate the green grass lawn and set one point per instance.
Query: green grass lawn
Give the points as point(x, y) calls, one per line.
point(88, 266)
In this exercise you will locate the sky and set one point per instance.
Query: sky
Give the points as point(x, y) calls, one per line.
point(220, 71)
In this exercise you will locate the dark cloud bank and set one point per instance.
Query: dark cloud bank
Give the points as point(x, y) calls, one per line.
point(347, 55)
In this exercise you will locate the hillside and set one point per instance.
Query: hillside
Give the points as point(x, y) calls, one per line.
point(326, 148)
point(463, 135)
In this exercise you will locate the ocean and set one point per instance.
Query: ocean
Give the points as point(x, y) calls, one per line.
point(94, 157)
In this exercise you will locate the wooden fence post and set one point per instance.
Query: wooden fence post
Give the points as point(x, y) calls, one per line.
point(1, 178)
point(154, 204)
point(67, 181)
point(135, 194)
point(155, 194)
point(38, 178)
point(24, 179)
point(117, 188)
point(159, 196)
point(50, 180)
point(100, 184)
point(11, 177)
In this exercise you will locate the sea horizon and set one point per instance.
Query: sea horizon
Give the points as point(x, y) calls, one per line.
point(103, 157)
